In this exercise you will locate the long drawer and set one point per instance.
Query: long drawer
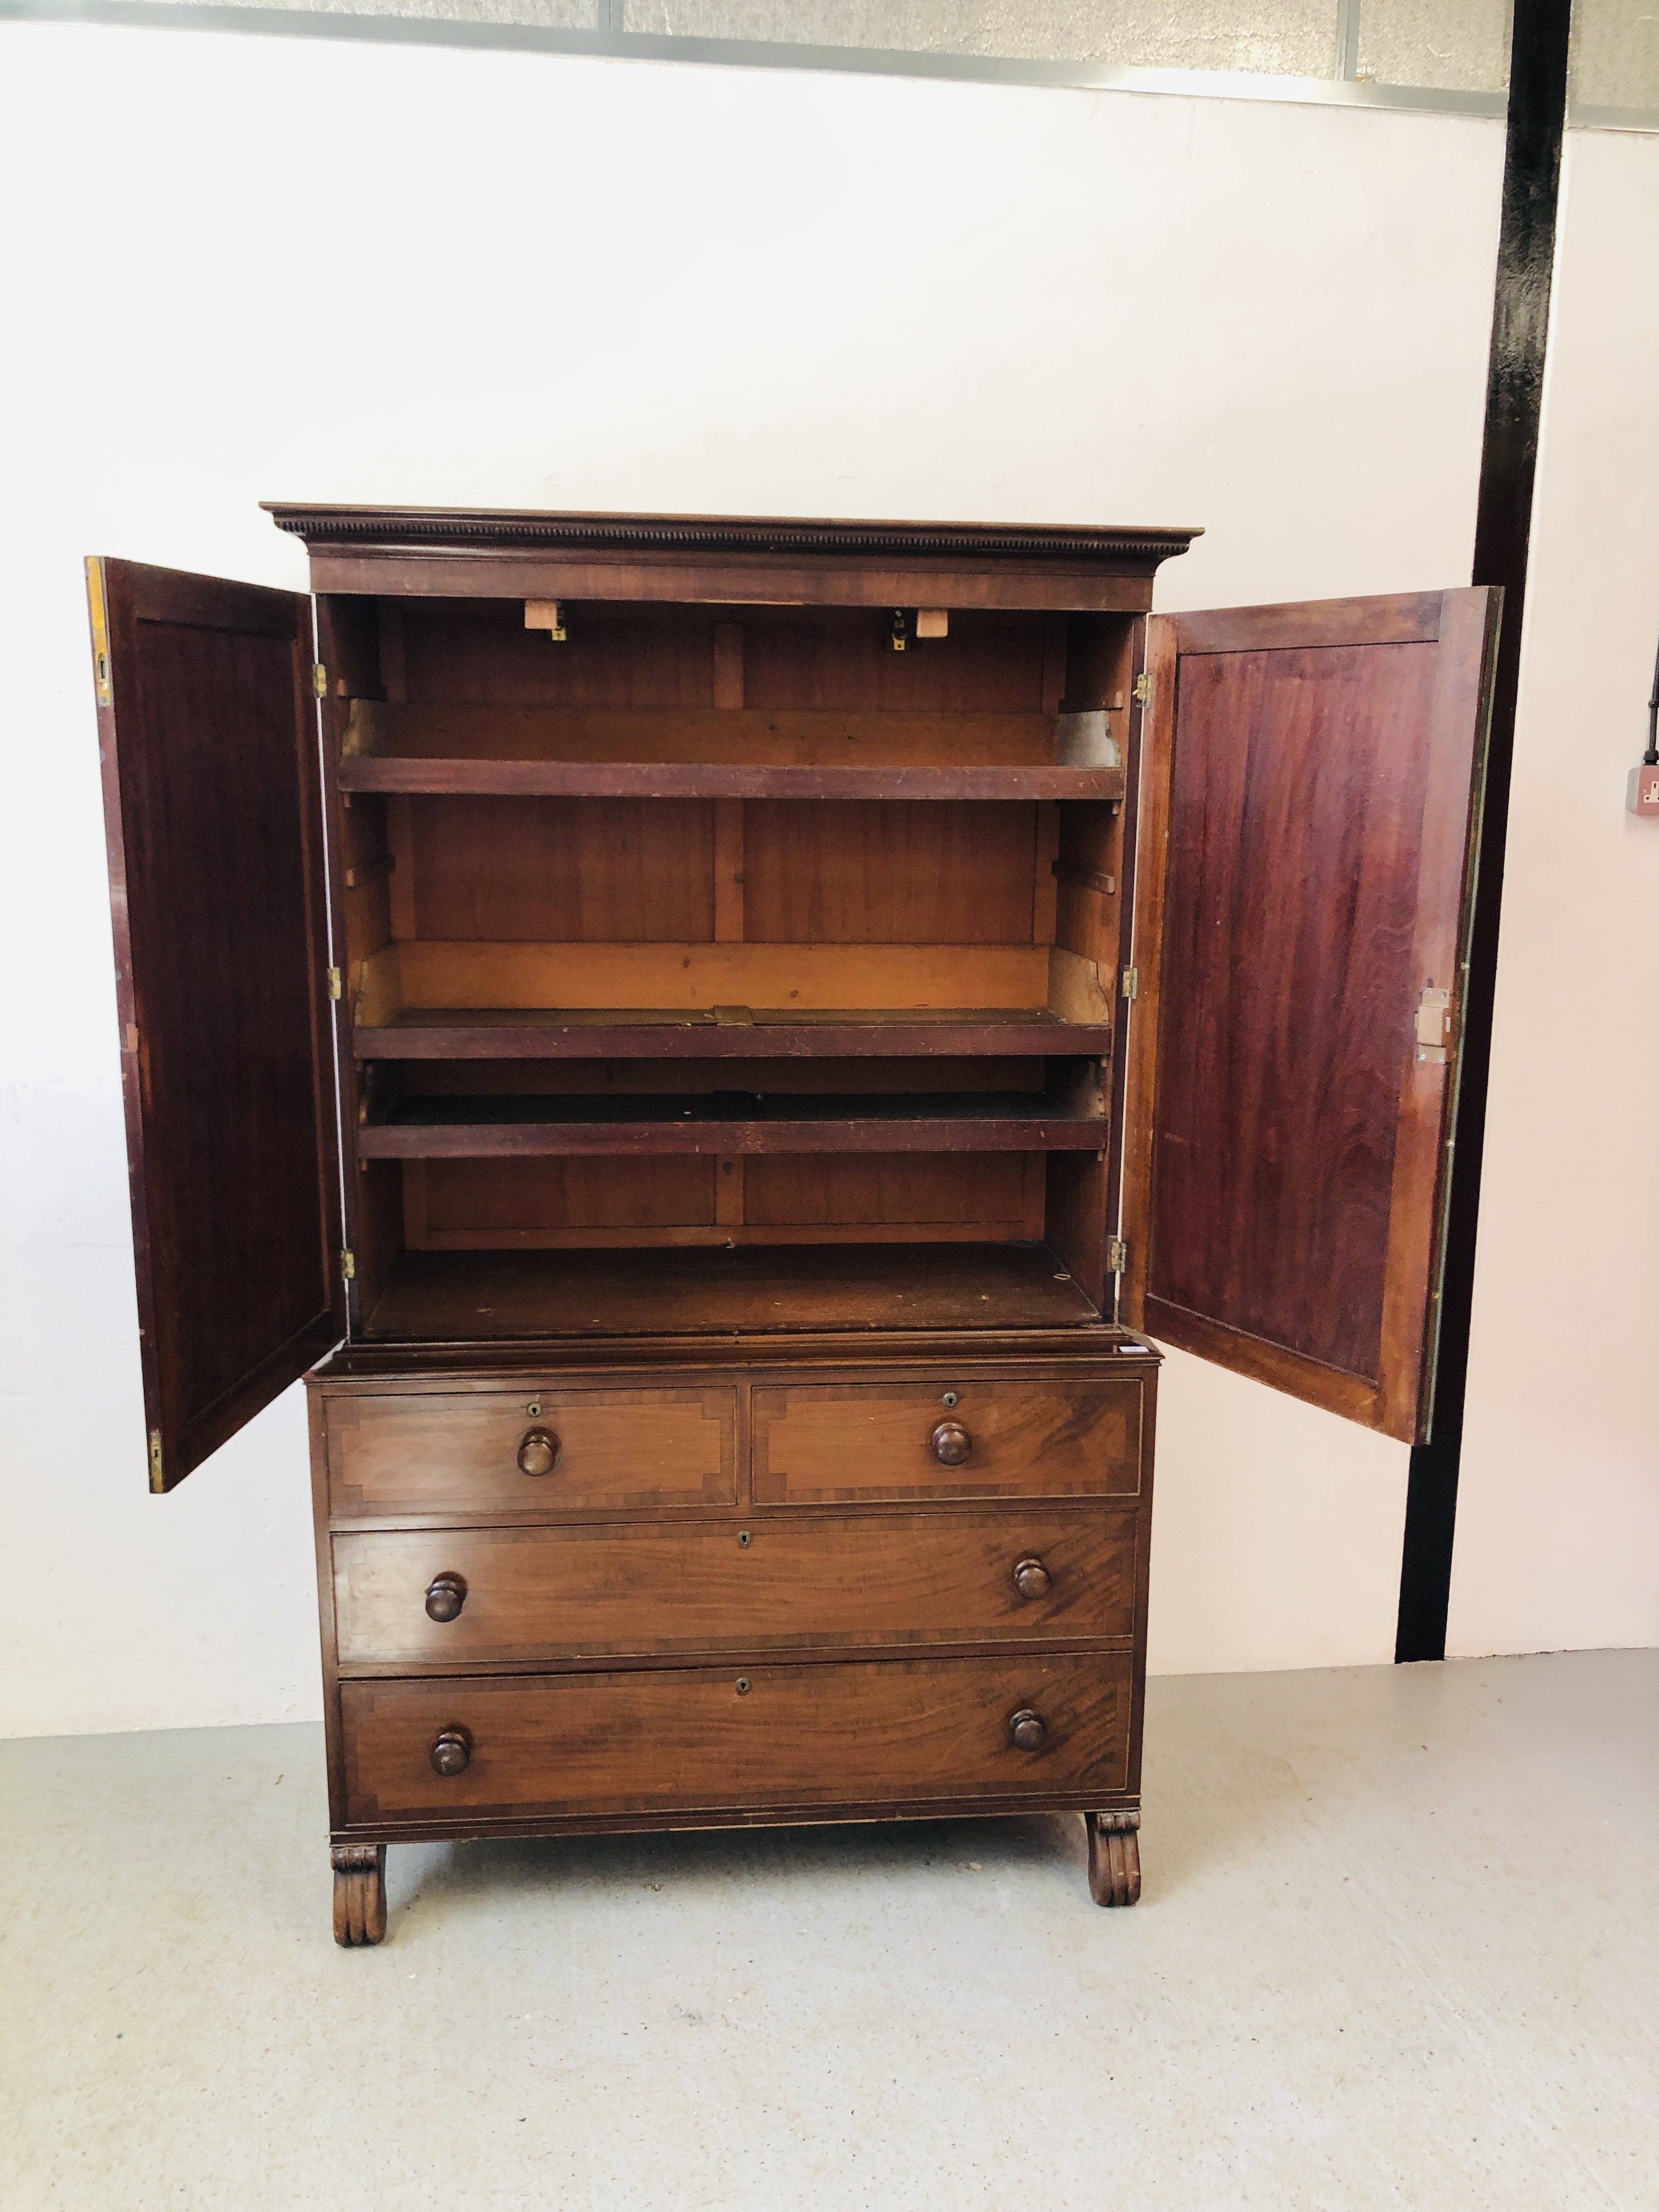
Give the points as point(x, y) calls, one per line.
point(878, 1733)
point(845, 1443)
point(528, 1450)
point(473, 1596)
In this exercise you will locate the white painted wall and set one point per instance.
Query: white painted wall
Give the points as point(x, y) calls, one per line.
point(1558, 1520)
point(241, 269)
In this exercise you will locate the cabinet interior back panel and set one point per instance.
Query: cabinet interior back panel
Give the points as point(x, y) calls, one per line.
point(924, 872)
point(620, 871)
point(470, 1204)
point(478, 652)
point(843, 660)
point(630, 871)
point(506, 1202)
point(979, 1189)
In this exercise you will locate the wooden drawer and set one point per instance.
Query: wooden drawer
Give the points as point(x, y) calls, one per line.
point(532, 1594)
point(875, 1733)
point(842, 1442)
point(414, 1456)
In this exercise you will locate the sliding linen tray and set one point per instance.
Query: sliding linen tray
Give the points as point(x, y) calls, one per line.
point(735, 1032)
point(446, 1126)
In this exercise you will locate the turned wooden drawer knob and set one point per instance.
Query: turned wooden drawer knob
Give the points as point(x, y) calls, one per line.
point(951, 1443)
point(452, 1751)
point(1027, 1731)
point(446, 1593)
point(538, 1452)
point(1031, 1579)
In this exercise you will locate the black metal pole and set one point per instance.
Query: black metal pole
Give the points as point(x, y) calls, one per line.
point(1509, 457)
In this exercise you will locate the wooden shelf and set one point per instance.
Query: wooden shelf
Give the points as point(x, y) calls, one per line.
point(546, 779)
point(727, 1033)
point(728, 1122)
point(467, 1296)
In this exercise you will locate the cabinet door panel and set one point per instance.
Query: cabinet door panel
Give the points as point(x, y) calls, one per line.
point(206, 730)
point(1310, 804)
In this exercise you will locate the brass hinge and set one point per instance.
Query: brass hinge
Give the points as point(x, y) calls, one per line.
point(1434, 1023)
point(99, 630)
point(157, 1480)
point(320, 680)
point(1131, 985)
point(548, 615)
point(336, 983)
point(1143, 689)
point(1117, 1256)
point(349, 1265)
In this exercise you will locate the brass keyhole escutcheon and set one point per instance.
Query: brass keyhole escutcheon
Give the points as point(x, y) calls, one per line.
point(744, 1539)
point(949, 1398)
point(534, 1409)
point(744, 1686)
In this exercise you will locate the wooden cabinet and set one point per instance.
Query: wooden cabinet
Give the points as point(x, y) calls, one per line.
point(708, 1041)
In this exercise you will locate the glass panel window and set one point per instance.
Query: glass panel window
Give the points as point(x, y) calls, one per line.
point(1462, 48)
point(534, 15)
point(1615, 55)
point(1286, 38)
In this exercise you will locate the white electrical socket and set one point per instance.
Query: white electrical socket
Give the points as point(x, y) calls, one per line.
point(1642, 792)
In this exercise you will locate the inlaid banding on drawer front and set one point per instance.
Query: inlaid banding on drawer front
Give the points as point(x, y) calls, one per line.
point(529, 1595)
point(888, 1732)
point(531, 1451)
point(843, 1444)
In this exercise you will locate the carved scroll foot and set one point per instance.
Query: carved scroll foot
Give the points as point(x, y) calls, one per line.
point(1114, 1858)
point(359, 1894)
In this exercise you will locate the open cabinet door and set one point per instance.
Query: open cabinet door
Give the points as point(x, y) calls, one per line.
point(1310, 809)
point(206, 730)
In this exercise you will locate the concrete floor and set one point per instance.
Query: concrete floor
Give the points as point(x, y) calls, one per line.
point(1399, 1947)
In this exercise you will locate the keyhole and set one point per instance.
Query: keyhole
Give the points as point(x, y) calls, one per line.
point(743, 1685)
point(949, 1398)
point(533, 1409)
point(744, 1539)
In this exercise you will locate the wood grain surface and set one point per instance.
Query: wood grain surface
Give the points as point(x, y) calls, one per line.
point(844, 1442)
point(619, 1447)
point(698, 976)
point(517, 779)
point(534, 1596)
point(880, 1732)
point(661, 1033)
point(1319, 802)
point(213, 823)
point(916, 735)
point(445, 1126)
point(439, 1296)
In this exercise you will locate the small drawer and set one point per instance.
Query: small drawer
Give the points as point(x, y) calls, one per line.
point(845, 1443)
point(528, 1451)
point(877, 1734)
point(506, 1596)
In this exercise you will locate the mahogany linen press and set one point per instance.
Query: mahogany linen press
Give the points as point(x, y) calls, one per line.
point(706, 1041)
